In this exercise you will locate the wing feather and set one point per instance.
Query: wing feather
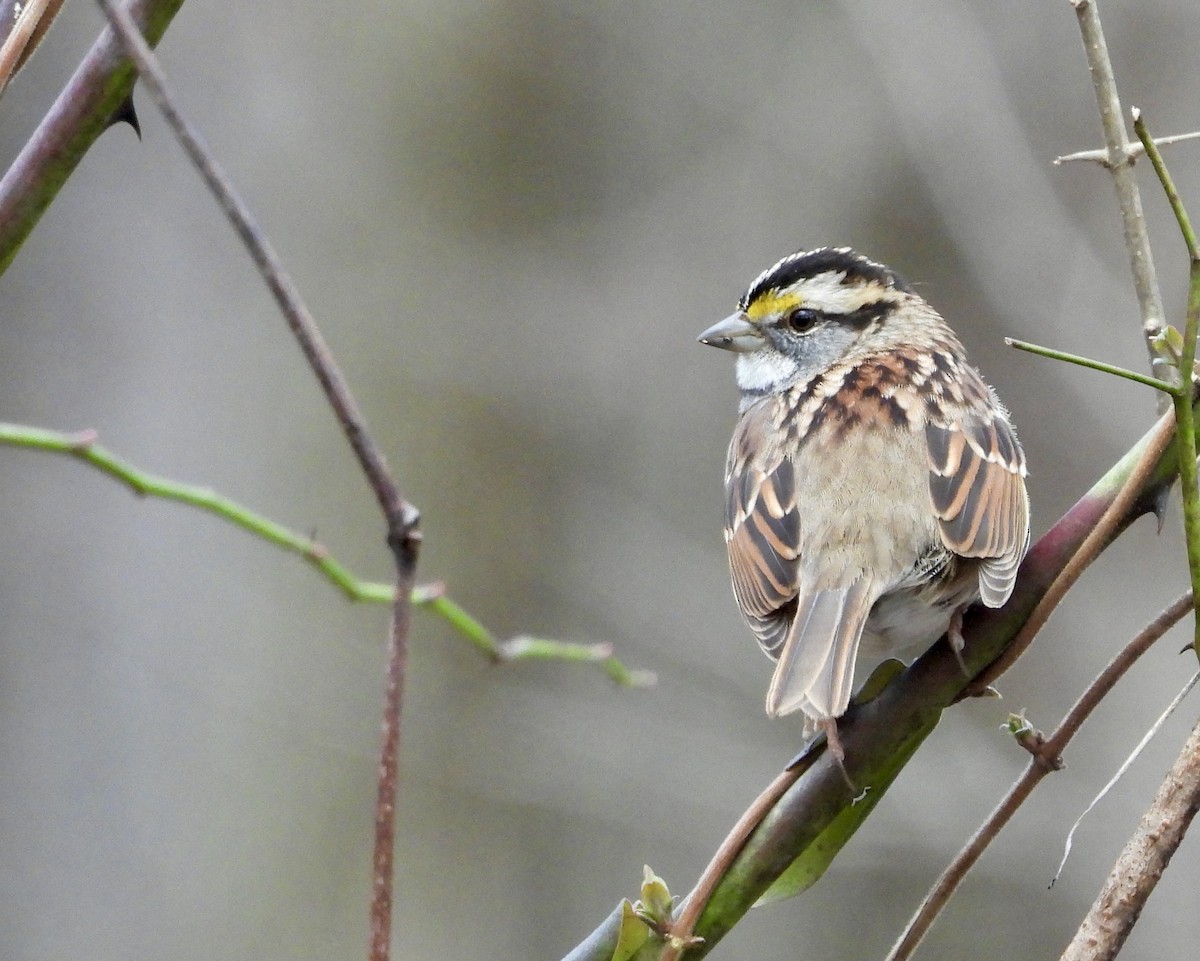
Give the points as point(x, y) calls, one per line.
point(762, 528)
point(977, 488)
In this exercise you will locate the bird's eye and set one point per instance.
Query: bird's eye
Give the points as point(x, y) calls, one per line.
point(802, 319)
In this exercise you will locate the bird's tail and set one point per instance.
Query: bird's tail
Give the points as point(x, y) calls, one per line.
point(815, 673)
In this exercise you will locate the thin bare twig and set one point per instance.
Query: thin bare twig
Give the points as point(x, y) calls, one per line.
point(1142, 862)
point(1092, 545)
point(1120, 159)
point(1136, 150)
point(403, 536)
point(1123, 769)
point(1044, 761)
point(1091, 364)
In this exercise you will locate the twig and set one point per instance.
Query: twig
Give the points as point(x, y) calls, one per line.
point(84, 110)
point(83, 447)
point(1142, 862)
point(1161, 438)
point(1087, 362)
point(1134, 152)
point(1120, 163)
point(1123, 769)
point(401, 517)
point(1183, 394)
point(1042, 763)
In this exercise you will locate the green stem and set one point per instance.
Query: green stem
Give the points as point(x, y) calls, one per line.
point(1168, 185)
point(1187, 462)
point(1091, 364)
point(83, 446)
point(1183, 393)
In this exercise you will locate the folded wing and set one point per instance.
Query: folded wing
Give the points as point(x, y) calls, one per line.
point(977, 488)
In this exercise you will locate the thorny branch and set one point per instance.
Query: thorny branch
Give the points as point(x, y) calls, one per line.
point(91, 101)
point(1136, 150)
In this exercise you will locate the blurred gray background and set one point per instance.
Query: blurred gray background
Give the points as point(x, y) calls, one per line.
point(512, 219)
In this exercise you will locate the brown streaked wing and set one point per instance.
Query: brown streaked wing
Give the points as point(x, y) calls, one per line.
point(762, 529)
point(977, 488)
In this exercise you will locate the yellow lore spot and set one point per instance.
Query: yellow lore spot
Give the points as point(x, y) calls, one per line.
point(772, 303)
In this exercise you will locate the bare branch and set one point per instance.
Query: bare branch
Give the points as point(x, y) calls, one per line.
point(1147, 854)
point(1043, 762)
point(403, 536)
point(28, 26)
point(689, 913)
point(1123, 769)
point(1120, 157)
point(1135, 150)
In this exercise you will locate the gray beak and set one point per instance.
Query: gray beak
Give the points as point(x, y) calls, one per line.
point(734, 333)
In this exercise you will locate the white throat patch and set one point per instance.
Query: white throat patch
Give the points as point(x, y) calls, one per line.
point(764, 369)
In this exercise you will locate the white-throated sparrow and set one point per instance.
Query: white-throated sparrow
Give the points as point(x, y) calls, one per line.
point(874, 486)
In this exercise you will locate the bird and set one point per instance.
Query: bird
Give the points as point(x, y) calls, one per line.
point(874, 485)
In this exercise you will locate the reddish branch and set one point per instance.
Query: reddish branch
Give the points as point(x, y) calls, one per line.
point(403, 536)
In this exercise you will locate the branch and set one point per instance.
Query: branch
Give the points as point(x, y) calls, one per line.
point(1142, 862)
point(880, 736)
point(86, 107)
point(1134, 152)
point(1046, 758)
point(1120, 159)
point(401, 517)
point(22, 30)
point(1087, 362)
point(82, 446)
point(1183, 394)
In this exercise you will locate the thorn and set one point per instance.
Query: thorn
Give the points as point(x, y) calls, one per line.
point(1158, 505)
point(127, 113)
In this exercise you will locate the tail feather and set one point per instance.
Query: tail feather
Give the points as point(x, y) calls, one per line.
point(815, 673)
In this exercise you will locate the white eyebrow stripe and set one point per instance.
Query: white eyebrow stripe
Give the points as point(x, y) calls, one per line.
point(828, 291)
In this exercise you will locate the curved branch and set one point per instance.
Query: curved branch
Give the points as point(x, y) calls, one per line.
point(83, 446)
point(96, 93)
point(894, 724)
